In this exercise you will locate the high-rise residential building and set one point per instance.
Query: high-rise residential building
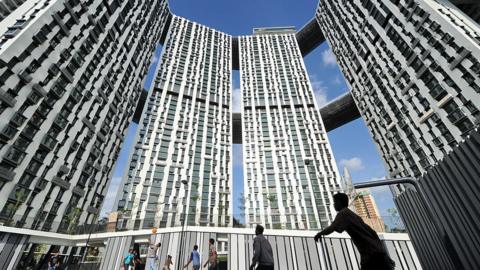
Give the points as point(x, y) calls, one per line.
point(414, 72)
point(71, 75)
point(181, 164)
point(364, 205)
point(290, 172)
point(347, 183)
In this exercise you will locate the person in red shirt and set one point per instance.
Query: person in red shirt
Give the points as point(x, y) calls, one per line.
point(372, 251)
point(212, 256)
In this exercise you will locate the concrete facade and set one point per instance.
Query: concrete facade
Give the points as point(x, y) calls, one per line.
point(71, 74)
point(290, 172)
point(414, 72)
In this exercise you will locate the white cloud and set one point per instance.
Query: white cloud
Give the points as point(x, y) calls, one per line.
point(337, 80)
point(237, 100)
point(353, 164)
point(328, 58)
point(111, 195)
point(383, 198)
point(319, 90)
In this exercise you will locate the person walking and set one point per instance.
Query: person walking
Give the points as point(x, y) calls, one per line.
point(54, 261)
point(128, 260)
point(137, 262)
point(262, 251)
point(372, 252)
point(152, 257)
point(212, 255)
point(168, 262)
point(195, 258)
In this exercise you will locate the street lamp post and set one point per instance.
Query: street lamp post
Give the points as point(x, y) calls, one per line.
point(182, 223)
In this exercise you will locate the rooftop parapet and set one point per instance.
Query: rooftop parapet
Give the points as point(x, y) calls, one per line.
point(274, 30)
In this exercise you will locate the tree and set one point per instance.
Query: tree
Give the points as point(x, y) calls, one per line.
point(20, 195)
point(396, 221)
point(393, 212)
point(241, 206)
point(11, 208)
point(72, 218)
point(272, 197)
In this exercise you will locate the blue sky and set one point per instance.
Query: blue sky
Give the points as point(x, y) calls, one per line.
point(352, 145)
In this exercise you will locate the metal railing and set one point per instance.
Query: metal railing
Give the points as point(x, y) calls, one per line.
point(391, 224)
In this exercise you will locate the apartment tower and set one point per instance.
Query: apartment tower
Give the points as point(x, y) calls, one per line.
point(180, 169)
point(364, 205)
point(71, 75)
point(414, 72)
point(289, 169)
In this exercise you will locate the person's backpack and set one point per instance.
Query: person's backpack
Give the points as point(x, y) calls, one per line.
point(128, 259)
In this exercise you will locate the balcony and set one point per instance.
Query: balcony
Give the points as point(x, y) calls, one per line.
point(78, 191)
point(414, 144)
point(18, 119)
point(92, 210)
point(456, 115)
point(41, 184)
point(8, 132)
point(6, 175)
point(60, 121)
point(60, 182)
point(88, 170)
point(58, 90)
point(49, 142)
point(96, 152)
point(63, 170)
point(14, 155)
point(6, 98)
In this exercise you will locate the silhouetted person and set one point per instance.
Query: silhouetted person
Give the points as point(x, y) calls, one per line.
point(54, 261)
point(262, 251)
point(372, 252)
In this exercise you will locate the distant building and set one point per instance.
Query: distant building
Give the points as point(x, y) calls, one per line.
point(347, 183)
point(112, 220)
point(364, 205)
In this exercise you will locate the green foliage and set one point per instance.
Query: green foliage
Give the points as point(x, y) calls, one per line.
point(222, 258)
point(272, 197)
point(72, 218)
point(393, 212)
